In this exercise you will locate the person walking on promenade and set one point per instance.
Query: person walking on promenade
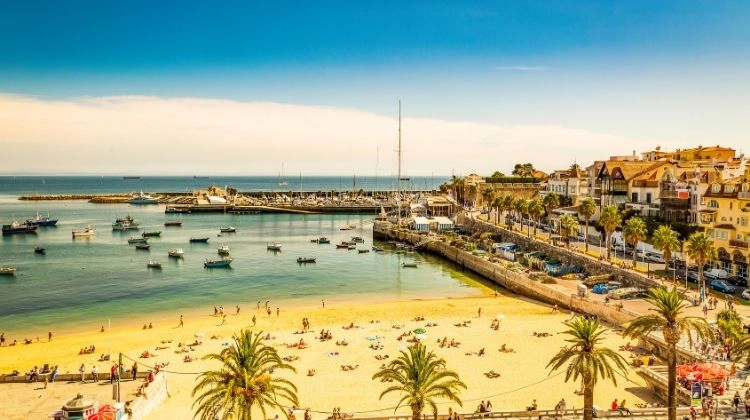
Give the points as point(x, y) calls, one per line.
point(49, 336)
point(182, 323)
point(94, 373)
point(134, 370)
point(82, 371)
point(113, 373)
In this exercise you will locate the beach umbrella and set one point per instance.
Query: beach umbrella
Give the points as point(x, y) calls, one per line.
point(199, 335)
point(420, 331)
point(420, 336)
point(499, 316)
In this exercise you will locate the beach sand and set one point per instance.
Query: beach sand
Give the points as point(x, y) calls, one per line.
point(524, 375)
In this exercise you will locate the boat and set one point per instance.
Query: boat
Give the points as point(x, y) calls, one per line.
point(143, 199)
point(40, 250)
point(153, 264)
point(155, 234)
point(357, 240)
point(302, 260)
point(324, 240)
point(199, 240)
point(275, 246)
point(15, 227)
point(143, 247)
point(223, 250)
point(363, 251)
point(173, 223)
point(86, 232)
point(228, 229)
point(351, 247)
point(131, 177)
point(378, 249)
point(409, 265)
point(176, 252)
point(177, 210)
point(41, 221)
point(222, 263)
point(7, 271)
point(132, 240)
point(342, 246)
point(125, 223)
point(199, 177)
point(346, 227)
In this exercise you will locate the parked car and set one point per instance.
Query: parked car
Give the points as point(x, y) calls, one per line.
point(737, 281)
point(655, 257)
point(722, 286)
point(641, 254)
point(676, 263)
point(716, 273)
point(692, 276)
point(746, 294)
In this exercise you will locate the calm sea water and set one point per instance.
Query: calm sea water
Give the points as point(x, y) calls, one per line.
point(91, 280)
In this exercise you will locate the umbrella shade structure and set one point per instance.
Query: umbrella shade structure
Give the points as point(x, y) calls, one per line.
point(499, 316)
point(702, 372)
point(420, 331)
point(420, 336)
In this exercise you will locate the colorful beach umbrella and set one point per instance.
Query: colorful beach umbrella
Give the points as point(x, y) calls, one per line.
point(420, 331)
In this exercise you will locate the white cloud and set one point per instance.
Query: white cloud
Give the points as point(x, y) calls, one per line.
point(152, 135)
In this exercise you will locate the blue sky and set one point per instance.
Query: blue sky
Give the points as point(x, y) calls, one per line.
point(658, 71)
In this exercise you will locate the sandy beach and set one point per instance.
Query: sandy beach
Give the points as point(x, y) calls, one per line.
point(523, 375)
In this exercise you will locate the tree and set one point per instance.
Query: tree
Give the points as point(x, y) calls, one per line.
point(242, 382)
point(536, 210)
point(587, 209)
point(729, 323)
point(421, 377)
point(666, 240)
point(497, 175)
point(701, 250)
point(518, 208)
point(633, 232)
point(586, 359)
point(507, 206)
point(551, 201)
point(487, 194)
point(668, 306)
point(609, 220)
point(524, 170)
point(497, 204)
point(568, 226)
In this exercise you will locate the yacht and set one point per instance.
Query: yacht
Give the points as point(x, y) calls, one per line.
point(86, 232)
point(137, 240)
point(153, 264)
point(176, 253)
point(223, 250)
point(228, 229)
point(143, 199)
point(222, 263)
point(275, 246)
point(7, 271)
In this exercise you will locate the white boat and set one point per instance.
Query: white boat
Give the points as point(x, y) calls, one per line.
point(409, 265)
point(275, 246)
point(228, 229)
point(86, 232)
point(222, 263)
point(143, 199)
point(137, 240)
point(176, 252)
point(7, 271)
point(224, 250)
point(302, 260)
point(357, 240)
point(153, 264)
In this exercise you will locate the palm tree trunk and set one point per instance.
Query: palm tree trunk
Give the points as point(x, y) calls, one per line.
point(672, 381)
point(635, 254)
point(416, 412)
point(606, 243)
point(588, 400)
point(702, 280)
point(586, 237)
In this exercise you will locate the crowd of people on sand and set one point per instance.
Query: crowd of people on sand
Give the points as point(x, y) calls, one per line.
point(87, 350)
point(325, 335)
point(505, 349)
point(444, 343)
point(478, 353)
point(495, 325)
point(541, 334)
point(148, 326)
point(350, 326)
point(463, 324)
point(347, 368)
point(492, 374)
point(298, 345)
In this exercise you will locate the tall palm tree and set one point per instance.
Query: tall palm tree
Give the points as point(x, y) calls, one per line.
point(421, 377)
point(243, 381)
point(507, 206)
point(551, 201)
point(487, 195)
point(586, 359)
point(729, 323)
point(518, 205)
point(536, 210)
point(525, 215)
point(497, 204)
point(633, 232)
point(587, 209)
point(701, 250)
point(609, 220)
point(568, 226)
point(668, 306)
point(667, 241)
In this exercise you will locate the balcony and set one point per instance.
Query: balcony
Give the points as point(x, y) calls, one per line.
point(738, 244)
point(743, 195)
point(645, 183)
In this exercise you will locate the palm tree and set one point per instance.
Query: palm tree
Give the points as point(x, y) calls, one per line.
point(666, 240)
point(585, 358)
point(536, 210)
point(487, 195)
point(243, 381)
point(729, 323)
point(701, 250)
point(586, 209)
point(668, 306)
point(518, 205)
point(633, 232)
point(609, 220)
point(507, 206)
point(568, 226)
point(551, 201)
point(497, 204)
point(421, 377)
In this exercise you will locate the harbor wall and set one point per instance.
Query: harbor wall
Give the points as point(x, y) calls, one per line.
point(154, 394)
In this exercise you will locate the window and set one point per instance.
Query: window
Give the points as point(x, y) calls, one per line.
point(721, 235)
point(715, 188)
point(710, 233)
point(648, 198)
point(713, 204)
point(729, 189)
point(634, 197)
point(743, 221)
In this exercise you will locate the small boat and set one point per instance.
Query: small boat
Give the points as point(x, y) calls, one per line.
point(143, 247)
point(137, 240)
point(378, 249)
point(143, 199)
point(223, 250)
point(222, 263)
point(275, 246)
point(347, 227)
point(324, 240)
point(357, 240)
point(131, 177)
point(176, 253)
point(15, 227)
point(351, 247)
point(199, 240)
point(125, 223)
point(40, 250)
point(151, 234)
point(363, 251)
point(409, 265)
point(227, 229)
point(7, 271)
point(86, 232)
point(314, 241)
point(173, 223)
point(302, 260)
point(179, 210)
point(342, 246)
point(153, 264)
point(41, 221)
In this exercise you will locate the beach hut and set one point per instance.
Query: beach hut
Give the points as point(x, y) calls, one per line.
point(420, 224)
point(443, 224)
point(78, 408)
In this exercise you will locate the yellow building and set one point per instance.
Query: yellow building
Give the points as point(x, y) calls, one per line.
point(726, 220)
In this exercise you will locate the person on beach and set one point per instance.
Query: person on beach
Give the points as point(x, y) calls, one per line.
point(258, 309)
point(277, 312)
point(82, 371)
point(479, 313)
point(223, 319)
point(182, 323)
point(94, 373)
point(216, 311)
point(134, 370)
point(238, 310)
point(267, 304)
point(268, 310)
point(49, 336)
point(2, 339)
point(323, 302)
point(253, 320)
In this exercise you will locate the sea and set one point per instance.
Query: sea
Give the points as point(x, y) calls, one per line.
point(80, 283)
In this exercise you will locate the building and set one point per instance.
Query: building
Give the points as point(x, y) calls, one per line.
point(572, 183)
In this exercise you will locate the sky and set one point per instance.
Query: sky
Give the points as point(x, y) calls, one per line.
point(244, 87)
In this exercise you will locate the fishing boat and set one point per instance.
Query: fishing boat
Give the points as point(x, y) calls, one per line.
point(86, 232)
point(228, 229)
point(342, 246)
point(351, 247)
point(15, 227)
point(346, 227)
point(41, 221)
point(153, 264)
point(143, 247)
point(176, 253)
point(409, 264)
point(199, 240)
point(151, 234)
point(324, 240)
point(132, 240)
point(40, 250)
point(275, 246)
point(179, 210)
point(222, 263)
point(7, 271)
point(357, 240)
point(143, 199)
point(223, 250)
point(363, 251)
point(173, 223)
point(131, 177)
point(378, 249)
point(125, 223)
point(302, 260)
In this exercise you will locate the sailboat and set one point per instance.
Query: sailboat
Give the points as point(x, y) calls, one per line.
point(282, 183)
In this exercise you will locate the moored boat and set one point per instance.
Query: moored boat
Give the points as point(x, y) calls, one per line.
point(223, 250)
point(351, 247)
point(306, 260)
point(222, 263)
point(40, 250)
point(86, 232)
point(176, 253)
point(324, 240)
point(125, 223)
point(137, 240)
point(41, 221)
point(274, 246)
point(179, 210)
point(378, 249)
point(228, 229)
point(143, 199)
point(153, 264)
point(173, 223)
point(342, 246)
point(203, 239)
point(357, 240)
point(363, 251)
point(409, 265)
point(143, 247)
point(15, 227)
point(7, 271)
point(151, 234)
